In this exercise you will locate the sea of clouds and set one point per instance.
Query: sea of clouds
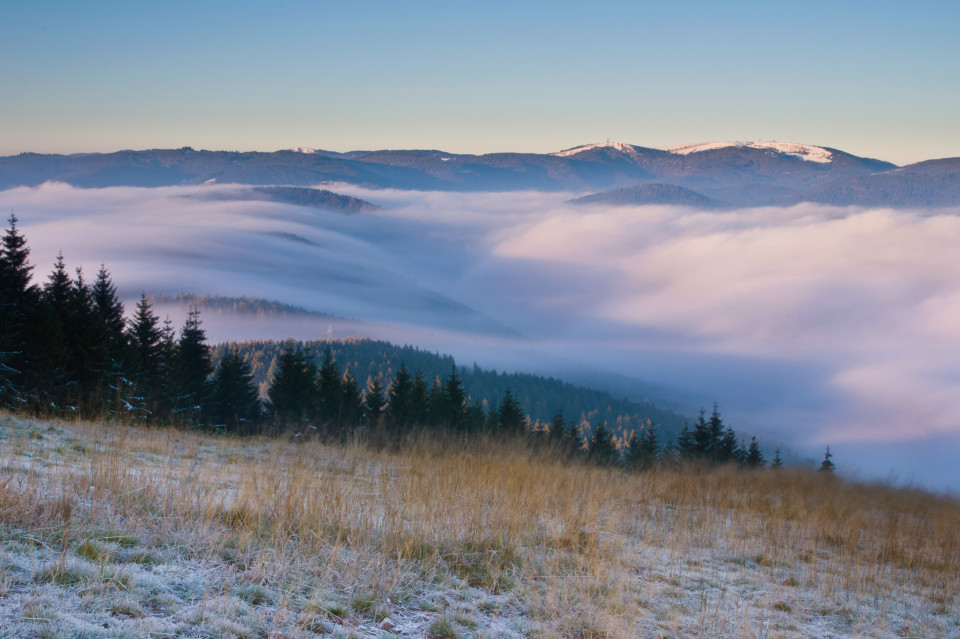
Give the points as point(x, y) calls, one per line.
point(813, 325)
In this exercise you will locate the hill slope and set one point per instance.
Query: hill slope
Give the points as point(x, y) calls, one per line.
point(114, 531)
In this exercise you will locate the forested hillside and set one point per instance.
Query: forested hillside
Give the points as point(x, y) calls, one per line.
point(539, 397)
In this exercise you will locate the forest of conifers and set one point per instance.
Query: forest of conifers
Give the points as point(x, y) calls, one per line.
point(66, 349)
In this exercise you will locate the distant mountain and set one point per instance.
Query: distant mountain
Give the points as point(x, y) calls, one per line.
point(651, 194)
point(738, 173)
point(934, 183)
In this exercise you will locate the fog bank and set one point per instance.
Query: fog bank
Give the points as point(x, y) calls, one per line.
point(817, 325)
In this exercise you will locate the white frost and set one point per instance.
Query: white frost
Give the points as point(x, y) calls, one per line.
point(302, 149)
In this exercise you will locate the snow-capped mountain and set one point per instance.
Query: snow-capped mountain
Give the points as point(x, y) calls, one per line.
point(728, 173)
point(802, 151)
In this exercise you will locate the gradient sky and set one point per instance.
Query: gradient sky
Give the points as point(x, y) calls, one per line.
point(873, 78)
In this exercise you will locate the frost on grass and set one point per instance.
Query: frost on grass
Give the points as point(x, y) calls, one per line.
point(113, 531)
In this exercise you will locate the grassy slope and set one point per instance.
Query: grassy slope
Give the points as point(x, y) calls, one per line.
point(112, 531)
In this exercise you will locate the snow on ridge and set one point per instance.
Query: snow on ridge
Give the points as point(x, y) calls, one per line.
point(629, 149)
point(803, 151)
point(302, 149)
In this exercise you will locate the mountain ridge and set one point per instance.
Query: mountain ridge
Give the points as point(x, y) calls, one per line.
point(738, 173)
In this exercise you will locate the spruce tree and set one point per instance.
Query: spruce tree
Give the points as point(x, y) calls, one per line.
point(351, 406)
point(455, 403)
point(754, 458)
point(777, 461)
point(631, 452)
point(510, 418)
point(293, 389)
point(234, 401)
point(827, 466)
point(602, 449)
point(193, 368)
point(330, 396)
point(419, 399)
point(373, 401)
point(399, 407)
point(145, 338)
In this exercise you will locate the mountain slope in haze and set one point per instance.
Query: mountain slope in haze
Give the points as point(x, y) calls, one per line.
point(934, 183)
point(588, 167)
point(298, 196)
point(651, 194)
point(738, 173)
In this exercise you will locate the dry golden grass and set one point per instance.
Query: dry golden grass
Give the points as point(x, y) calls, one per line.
point(109, 530)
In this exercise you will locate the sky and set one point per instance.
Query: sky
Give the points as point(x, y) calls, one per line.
point(809, 325)
point(873, 78)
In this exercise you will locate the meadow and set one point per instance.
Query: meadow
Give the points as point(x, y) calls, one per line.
point(112, 530)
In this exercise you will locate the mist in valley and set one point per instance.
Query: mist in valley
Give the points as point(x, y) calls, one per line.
point(811, 325)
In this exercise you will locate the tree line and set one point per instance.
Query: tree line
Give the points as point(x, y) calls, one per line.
point(67, 349)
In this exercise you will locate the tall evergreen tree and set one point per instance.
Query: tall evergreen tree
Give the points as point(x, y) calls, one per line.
point(373, 401)
point(193, 368)
point(329, 391)
point(777, 461)
point(351, 411)
point(234, 401)
point(602, 449)
point(455, 405)
point(293, 389)
point(827, 465)
point(145, 337)
point(510, 418)
point(17, 302)
point(641, 452)
point(419, 399)
point(754, 457)
point(399, 405)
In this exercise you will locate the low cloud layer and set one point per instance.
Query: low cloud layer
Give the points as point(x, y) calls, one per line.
point(818, 324)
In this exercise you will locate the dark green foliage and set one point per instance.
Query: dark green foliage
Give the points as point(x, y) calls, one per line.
point(234, 402)
point(777, 461)
point(192, 368)
point(351, 407)
point(293, 389)
point(419, 399)
point(509, 415)
point(539, 397)
point(399, 412)
point(754, 458)
point(641, 453)
point(374, 401)
point(602, 449)
point(827, 465)
point(330, 396)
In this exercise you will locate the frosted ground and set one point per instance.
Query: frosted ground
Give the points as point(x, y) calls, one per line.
point(120, 532)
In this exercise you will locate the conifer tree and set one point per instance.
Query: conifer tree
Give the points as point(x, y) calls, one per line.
point(602, 449)
point(234, 402)
point(557, 430)
point(145, 337)
point(193, 367)
point(754, 457)
point(399, 407)
point(330, 395)
point(373, 401)
point(351, 410)
point(419, 399)
point(827, 466)
point(631, 452)
point(645, 450)
point(293, 389)
point(510, 418)
point(455, 404)
point(17, 301)
point(777, 461)
point(727, 450)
